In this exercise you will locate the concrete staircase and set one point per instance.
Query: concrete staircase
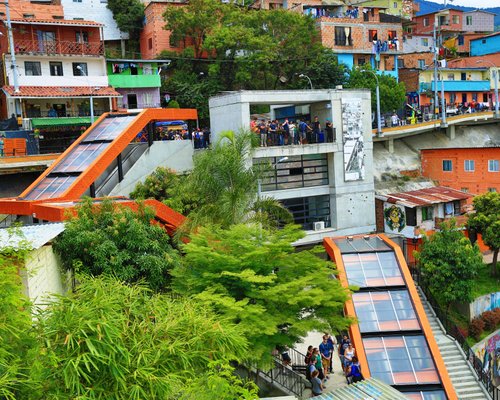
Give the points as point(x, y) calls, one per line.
point(461, 373)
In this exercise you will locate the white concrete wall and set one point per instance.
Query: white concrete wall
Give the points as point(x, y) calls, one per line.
point(96, 67)
point(43, 276)
point(413, 44)
point(94, 10)
point(174, 154)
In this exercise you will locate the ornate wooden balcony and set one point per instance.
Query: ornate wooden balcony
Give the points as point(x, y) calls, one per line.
point(58, 47)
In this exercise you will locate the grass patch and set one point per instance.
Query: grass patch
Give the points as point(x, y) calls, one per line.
point(484, 283)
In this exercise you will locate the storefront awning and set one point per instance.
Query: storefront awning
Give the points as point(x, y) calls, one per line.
point(60, 121)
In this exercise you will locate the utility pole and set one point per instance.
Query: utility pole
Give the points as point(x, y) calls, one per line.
point(15, 75)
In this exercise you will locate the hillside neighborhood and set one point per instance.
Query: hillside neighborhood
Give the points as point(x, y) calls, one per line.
point(220, 200)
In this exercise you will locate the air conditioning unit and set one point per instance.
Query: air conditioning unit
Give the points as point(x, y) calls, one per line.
point(318, 226)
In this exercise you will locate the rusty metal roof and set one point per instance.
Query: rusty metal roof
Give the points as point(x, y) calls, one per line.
point(425, 197)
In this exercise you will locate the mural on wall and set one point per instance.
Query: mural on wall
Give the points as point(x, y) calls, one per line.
point(488, 351)
point(352, 132)
point(395, 218)
point(484, 303)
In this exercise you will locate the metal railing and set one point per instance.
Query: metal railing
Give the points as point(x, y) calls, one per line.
point(453, 330)
point(28, 46)
point(285, 377)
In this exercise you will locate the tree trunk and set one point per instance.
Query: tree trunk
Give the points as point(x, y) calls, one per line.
point(494, 263)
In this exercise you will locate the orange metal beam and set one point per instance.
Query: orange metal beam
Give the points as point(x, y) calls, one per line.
point(355, 334)
point(424, 322)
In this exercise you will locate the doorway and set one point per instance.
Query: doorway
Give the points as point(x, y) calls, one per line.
point(132, 101)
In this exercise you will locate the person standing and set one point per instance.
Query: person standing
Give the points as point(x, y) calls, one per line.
point(263, 133)
point(292, 138)
point(1, 144)
point(316, 129)
point(344, 343)
point(329, 131)
point(349, 353)
point(286, 130)
point(326, 354)
point(317, 363)
point(395, 119)
point(273, 133)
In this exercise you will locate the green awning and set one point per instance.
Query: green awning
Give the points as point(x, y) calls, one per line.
point(59, 121)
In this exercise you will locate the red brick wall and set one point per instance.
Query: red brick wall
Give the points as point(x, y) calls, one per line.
point(40, 11)
point(476, 182)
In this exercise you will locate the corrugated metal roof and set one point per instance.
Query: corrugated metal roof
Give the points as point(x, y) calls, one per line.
point(368, 389)
point(34, 236)
point(425, 197)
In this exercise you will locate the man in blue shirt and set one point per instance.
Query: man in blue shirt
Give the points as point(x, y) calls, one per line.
point(325, 349)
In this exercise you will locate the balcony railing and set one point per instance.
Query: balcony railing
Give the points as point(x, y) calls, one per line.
point(58, 47)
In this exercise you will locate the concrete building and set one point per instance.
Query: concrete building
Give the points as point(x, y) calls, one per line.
point(328, 187)
point(485, 45)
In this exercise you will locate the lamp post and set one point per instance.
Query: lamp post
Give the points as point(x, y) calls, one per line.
point(79, 68)
point(494, 73)
point(377, 92)
point(309, 79)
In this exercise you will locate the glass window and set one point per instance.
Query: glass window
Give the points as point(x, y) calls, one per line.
point(426, 395)
point(421, 63)
point(492, 190)
point(447, 165)
point(465, 190)
point(455, 19)
point(411, 216)
point(50, 187)
point(308, 210)
point(372, 35)
point(385, 311)
point(372, 269)
point(80, 69)
point(468, 20)
point(425, 42)
point(461, 40)
point(82, 37)
point(427, 213)
point(426, 21)
point(32, 68)
point(343, 36)
point(451, 77)
point(469, 165)
point(56, 68)
point(400, 360)
point(493, 166)
point(463, 77)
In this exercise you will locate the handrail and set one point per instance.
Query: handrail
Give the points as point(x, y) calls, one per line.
point(297, 357)
point(452, 330)
point(35, 46)
point(285, 377)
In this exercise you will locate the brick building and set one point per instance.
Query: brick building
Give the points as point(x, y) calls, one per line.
point(473, 170)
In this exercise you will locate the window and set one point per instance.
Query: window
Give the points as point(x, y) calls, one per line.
point(485, 97)
point(474, 96)
point(391, 35)
point(32, 68)
point(464, 97)
point(82, 37)
point(464, 189)
point(77, 1)
point(28, 15)
point(343, 36)
point(452, 208)
point(401, 63)
point(427, 213)
point(492, 190)
point(395, 4)
point(493, 166)
point(455, 19)
point(361, 61)
point(426, 21)
point(372, 35)
point(447, 165)
point(80, 69)
point(463, 76)
point(421, 63)
point(372, 269)
point(308, 210)
point(469, 165)
point(56, 68)
point(411, 216)
point(424, 42)
point(451, 77)
point(483, 41)
point(461, 40)
point(468, 20)
point(453, 98)
point(150, 43)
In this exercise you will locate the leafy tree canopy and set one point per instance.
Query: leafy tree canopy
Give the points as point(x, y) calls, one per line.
point(392, 93)
point(486, 220)
point(255, 278)
point(129, 15)
point(114, 240)
point(110, 340)
point(449, 264)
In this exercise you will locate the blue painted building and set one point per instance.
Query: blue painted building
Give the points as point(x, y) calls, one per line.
point(486, 45)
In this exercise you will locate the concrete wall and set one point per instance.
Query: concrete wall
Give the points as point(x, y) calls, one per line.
point(43, 276)
point(174, 154)
point(481, 21)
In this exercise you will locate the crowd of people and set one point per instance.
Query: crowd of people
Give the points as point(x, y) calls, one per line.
point(292, 132)
point(319, 362)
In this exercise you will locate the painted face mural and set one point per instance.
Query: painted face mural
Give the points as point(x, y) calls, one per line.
point(395, 218)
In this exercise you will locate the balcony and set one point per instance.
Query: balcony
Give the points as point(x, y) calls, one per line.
point(461, 220)
point(458, 86)
point(134, 81)
point(58, 47)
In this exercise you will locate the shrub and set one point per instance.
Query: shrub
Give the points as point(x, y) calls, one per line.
point(476, 327)
point(490, 320)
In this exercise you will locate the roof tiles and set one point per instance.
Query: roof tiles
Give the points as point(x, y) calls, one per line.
point(425, 197)
point(63, 91)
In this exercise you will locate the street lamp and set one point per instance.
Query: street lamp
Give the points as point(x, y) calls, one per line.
point(79, 68)
point(309, 79)
point(494, 73)
point(377, 92)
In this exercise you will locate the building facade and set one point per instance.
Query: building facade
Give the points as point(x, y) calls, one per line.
point(328, 187)
point(472, 170)
point(138, 81)
point(485, 45)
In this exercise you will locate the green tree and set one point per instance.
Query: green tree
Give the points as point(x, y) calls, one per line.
point(325, 71)
point(129, 16)
point(257, 279)
point(486, 221)
point(392, 93)
point(228, 186)
point(449, 264)
point(110, 239)
point(15, 325)
point(110, 340)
